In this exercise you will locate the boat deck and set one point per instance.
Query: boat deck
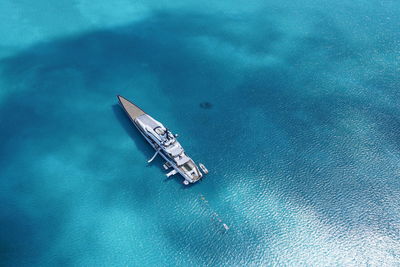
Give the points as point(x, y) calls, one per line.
point(131, 109)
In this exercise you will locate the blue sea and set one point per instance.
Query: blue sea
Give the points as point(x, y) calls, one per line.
point(293, 106)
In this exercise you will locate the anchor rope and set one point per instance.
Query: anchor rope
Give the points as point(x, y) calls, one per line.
point(214, 214)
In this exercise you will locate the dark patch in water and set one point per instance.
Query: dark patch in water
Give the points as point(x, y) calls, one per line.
point(206, 105)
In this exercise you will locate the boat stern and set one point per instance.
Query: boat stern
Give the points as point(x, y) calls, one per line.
point(190, 171)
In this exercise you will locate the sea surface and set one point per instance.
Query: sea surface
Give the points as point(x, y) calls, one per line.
point(293, 106)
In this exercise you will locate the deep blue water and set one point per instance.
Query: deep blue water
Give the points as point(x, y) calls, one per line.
point(302, 138)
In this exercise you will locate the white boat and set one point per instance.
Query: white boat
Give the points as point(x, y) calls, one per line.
point(164, 142)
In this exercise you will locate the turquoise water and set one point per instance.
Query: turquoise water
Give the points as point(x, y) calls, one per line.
point(301, 136)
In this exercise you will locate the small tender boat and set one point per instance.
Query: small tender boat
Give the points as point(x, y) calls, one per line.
point(164, 142)
point(203, 168)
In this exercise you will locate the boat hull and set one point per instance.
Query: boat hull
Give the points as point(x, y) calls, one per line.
point(134, 112)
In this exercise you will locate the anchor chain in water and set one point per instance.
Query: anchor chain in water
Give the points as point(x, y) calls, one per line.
point(214, 214)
